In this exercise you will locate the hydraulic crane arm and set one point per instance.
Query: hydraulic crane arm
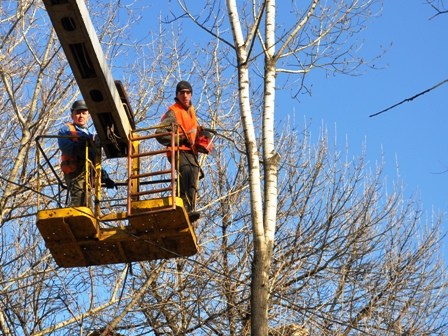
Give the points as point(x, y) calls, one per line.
point(105, 98)
point(159, 225)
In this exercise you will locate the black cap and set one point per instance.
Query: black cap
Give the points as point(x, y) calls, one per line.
point(183, 85)
point(79, 105)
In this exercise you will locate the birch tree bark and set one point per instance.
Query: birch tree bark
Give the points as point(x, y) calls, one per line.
point(262, 245)
point(350, 256)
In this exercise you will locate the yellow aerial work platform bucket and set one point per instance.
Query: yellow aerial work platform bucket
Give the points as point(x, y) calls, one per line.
point(155, 224)
point(75, 239)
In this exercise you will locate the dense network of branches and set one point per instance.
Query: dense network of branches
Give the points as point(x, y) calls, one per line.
point(350, 255)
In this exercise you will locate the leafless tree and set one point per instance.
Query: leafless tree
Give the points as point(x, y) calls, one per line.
point(316, 35)
point(346, 255)
point(37, 88)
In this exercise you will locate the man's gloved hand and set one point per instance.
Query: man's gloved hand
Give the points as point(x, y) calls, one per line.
point(110, 184)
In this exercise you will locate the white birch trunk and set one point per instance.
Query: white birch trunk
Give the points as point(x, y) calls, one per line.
point(262, 247)
point(260, 288)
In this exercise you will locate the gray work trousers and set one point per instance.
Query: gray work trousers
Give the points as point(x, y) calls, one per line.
point(188, 178)
point(76, 185)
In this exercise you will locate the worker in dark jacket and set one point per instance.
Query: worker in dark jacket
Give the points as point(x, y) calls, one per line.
point(182, 113)
point(72, 142)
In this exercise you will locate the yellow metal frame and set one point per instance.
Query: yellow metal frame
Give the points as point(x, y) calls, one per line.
point(157, 228)
point(75, 239)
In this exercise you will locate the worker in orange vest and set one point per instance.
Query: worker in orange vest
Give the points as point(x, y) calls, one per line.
point(182, 113)
point(72, 142)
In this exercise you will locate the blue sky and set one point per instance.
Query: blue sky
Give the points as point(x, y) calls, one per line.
point(412, 137)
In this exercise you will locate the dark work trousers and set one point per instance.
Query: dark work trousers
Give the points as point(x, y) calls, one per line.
point(188, 174)
point(76, 185)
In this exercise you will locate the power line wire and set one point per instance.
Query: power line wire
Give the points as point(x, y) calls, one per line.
point(411, 98)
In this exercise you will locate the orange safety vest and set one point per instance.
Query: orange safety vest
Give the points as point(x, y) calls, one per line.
point(189, 123)
point(69, 163)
